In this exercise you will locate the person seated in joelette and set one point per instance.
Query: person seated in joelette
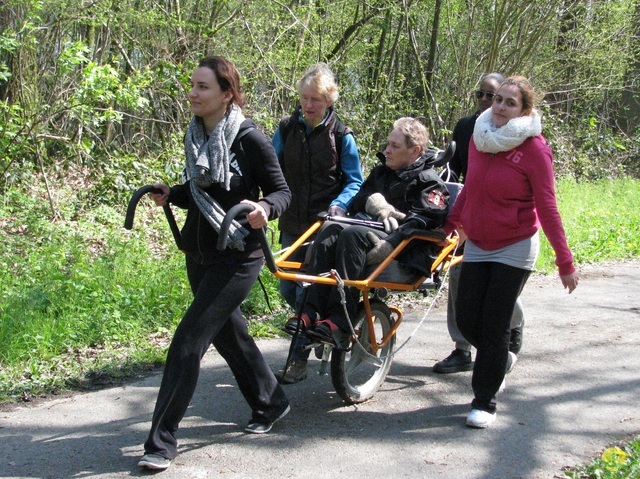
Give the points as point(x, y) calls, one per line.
point(403, 192)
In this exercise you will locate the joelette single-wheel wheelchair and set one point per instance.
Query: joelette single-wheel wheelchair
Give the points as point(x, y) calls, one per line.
point(358, 370)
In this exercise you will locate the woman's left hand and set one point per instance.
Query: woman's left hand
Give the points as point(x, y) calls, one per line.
point(258, 217)
point(570, 281)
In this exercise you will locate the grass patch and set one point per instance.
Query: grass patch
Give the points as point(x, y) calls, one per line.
point(616, 462)
point(601, 220)
point(82, 299)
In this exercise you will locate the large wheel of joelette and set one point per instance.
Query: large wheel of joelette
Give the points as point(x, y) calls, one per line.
point(355, 374)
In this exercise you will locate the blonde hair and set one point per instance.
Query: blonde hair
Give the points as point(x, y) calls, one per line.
point(415, 133)
point(321, 78)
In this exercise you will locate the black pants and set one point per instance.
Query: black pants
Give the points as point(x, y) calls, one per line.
point(214, 317)
point(343, 248)
point(487, 294)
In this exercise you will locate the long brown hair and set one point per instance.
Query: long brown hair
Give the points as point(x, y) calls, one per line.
point(227, 75)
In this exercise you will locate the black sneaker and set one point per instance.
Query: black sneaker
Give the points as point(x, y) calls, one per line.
point(296, 371)
point(515, 343)
point(457, 361)
point(263, 427)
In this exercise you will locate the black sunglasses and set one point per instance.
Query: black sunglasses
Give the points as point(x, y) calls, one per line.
point(480, 94)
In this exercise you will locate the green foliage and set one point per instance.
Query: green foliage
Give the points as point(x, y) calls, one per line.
point(614, 463)
point(8, 44)
point(68, 289)
point(588, 153)
point(97, 82)
point(601, 220)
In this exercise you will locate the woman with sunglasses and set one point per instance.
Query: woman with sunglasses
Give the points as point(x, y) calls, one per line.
point(509, 193)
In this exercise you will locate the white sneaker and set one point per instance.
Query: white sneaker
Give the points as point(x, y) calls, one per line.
point(480, 419)
point(502, 386)
point(511, 362)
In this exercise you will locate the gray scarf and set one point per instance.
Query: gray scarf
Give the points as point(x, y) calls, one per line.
point(208, 163)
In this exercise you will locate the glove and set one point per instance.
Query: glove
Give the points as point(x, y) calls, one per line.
point(377, 206)
point(381, 249)
point(337, 211)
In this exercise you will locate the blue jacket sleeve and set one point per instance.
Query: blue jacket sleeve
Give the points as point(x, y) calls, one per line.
point(350, 164)
point(278, 145)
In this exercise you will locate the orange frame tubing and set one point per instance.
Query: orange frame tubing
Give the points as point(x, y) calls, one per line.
point(287, 270)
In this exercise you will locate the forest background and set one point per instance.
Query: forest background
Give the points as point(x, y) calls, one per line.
point(93, 105)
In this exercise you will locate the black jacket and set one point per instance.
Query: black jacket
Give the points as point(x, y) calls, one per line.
point(259, 174)
point(311, 165)
point(419, 192)
point(462, 133)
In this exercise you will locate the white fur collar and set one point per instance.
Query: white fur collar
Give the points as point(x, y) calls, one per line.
point(491, 139)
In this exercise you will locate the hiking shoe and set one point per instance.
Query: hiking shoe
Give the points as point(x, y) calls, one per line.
point(515, 342)
point(457, 361)
point(295, 323)
point(295, 372)
point(155, 462)
point(511, 362)
point(480, 419)
point(263, 426)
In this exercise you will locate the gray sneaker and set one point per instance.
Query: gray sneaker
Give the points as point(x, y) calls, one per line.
point(155, 462)
point(296, 371)
point(263, 427)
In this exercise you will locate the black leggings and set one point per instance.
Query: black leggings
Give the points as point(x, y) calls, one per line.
point(214, 317)
point(487, 294)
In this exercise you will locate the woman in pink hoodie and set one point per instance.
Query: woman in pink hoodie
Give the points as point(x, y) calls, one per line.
point(509, 194)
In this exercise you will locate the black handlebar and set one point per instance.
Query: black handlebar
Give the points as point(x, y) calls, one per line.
point(235, 211)
point(443, 157)
point(131, 211)
point(224, 227)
